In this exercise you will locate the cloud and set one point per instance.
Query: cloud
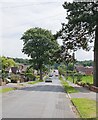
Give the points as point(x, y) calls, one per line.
point(13, 48)
point(19, 15)
point(84, 55)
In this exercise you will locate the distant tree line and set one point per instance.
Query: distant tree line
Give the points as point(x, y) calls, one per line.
point(21, 61)
point(85, 63)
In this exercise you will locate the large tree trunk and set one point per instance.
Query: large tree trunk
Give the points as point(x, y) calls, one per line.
point(41, 76)
point(96, 58)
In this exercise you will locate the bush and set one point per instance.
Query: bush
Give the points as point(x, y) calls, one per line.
point(37, 77)
point(79, 77)
point(30, 76)
point(14, 78)
point(40, 80)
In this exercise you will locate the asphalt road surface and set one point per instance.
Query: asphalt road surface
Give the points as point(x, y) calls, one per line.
point(42, 100)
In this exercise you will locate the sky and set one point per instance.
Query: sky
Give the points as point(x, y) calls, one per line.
point(17, 16)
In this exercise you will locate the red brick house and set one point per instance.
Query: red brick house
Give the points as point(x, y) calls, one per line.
point(85, 70)
point(89, 70)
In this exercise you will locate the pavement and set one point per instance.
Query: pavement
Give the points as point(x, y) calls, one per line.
point(41, 100)
point(14, 85)
point(83, 92)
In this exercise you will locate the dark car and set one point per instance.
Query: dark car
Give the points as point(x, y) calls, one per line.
point(50, 75)
point(48, 80)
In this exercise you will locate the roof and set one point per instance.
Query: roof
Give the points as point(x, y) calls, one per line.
point(83, 69)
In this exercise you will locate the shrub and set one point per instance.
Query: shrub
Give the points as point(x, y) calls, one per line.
point(79, 77)
point(37, 77)
point(40, 80)
point(14, 78)
point(30, 76)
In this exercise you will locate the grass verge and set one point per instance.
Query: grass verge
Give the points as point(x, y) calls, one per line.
point(67, 87)
point(4, 90)
point(34, 82)
point(86, 107)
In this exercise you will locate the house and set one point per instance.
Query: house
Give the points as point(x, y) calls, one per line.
point(85, 70)
point(20, 69)
point(89, 70)
point(80, 69)
point(15, 70)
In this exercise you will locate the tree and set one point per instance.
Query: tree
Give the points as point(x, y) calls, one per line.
point(85, 63)
point(4, 64)
point(22, 61)
point(7, 62)
point(62, 69)
point(39, 44)
point(81, 29)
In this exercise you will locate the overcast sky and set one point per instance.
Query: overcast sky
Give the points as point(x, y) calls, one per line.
point(17, 16)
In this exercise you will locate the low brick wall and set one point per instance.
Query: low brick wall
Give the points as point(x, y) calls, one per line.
point(90, 87)
point(94, 89)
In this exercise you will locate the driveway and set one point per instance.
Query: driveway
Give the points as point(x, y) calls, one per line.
point(43, 100)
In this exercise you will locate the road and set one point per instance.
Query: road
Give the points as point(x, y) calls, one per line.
point(42, 100)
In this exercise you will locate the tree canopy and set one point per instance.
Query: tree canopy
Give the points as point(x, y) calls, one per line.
point(6, 62)
point(40, 45)
point(81, 29)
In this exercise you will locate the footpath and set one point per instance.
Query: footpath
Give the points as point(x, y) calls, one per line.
point(83, 92)
point(15, 85)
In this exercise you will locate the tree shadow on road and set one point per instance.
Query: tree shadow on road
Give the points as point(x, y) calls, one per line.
point(51, 88)
point(45, 88)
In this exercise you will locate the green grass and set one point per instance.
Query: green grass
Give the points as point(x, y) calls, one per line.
point(4, 90)
point(34, 82)
point(85, 79)
point(68, 89)
point(86, 107)
point(71, 80)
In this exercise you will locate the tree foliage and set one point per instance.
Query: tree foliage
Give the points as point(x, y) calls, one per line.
point(39, 44)
point(81, 29)
point(4, 64)
point(85, 63)
point(21, 61)
point(7, 62)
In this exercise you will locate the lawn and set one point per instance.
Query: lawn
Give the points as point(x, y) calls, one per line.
point(67, 87)
point(3, 90)
point(34, 82)
point(85, 79)
point(70, 79)
point(86, 107)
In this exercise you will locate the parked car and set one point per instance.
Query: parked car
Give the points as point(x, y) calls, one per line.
point(56, 73)
point(50, 75)
point(48, 80)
